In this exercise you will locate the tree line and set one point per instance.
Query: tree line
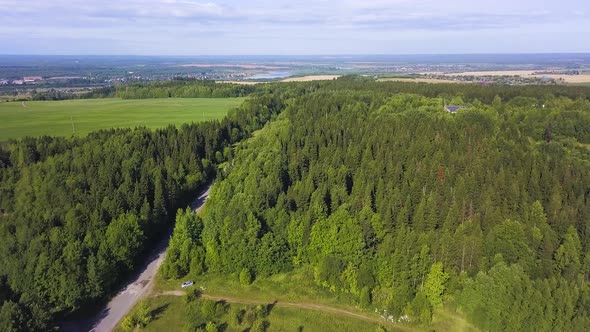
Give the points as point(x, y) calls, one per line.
point(175, 88)
point(193, 88)
point(183, 88)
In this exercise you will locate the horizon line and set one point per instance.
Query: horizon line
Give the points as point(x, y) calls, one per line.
point(303, 55)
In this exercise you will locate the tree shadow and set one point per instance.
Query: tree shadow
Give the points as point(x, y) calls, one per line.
point(270, 306)
point(157, 313)
point(81, 324)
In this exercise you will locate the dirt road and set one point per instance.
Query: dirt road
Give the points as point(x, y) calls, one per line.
point(121, 304)
point(278, 303)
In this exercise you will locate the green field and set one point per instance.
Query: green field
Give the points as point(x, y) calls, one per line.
point(79, 117)
point(169, 314)
point(295, 287)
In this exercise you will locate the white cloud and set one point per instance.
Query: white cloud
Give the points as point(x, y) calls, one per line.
point(298, 26)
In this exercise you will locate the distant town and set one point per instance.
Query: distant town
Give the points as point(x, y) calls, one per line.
point(23, 76)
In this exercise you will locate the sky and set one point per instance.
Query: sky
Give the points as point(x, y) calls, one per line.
point(295, 27)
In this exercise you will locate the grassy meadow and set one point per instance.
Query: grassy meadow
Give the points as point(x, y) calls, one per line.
point(79, 117)
point(294, 287)
point(169, 313)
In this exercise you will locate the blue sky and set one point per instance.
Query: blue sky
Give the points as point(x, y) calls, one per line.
point(226, 27)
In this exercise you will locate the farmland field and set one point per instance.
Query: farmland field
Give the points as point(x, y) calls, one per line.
point(570, 79)
point(79, 117)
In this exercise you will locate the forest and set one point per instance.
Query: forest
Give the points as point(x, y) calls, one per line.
point(78, 214)
point(373, 185)
point(405, 207)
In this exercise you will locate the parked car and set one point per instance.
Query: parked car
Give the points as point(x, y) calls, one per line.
point(187, 284)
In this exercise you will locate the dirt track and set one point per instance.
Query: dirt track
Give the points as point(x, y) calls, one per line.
point(278, 303)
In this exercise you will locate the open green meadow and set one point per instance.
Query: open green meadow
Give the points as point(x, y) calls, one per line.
point(300, 306)
point(79, 117)
point(292, 287)
point(169, 313)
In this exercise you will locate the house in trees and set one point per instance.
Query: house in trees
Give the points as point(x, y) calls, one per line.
point(454, 108)
point(29, 79)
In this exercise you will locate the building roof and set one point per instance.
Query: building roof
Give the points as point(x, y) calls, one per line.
point(454, 108)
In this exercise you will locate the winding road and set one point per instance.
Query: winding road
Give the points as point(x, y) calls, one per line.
point(108, 318)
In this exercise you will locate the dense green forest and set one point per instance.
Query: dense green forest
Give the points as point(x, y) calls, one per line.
point(77, 214)
point(390, 200)
point(405, 207)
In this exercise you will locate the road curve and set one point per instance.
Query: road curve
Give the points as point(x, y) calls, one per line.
point(108, 318)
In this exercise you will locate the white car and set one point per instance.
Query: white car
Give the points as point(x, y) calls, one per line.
point(187, 284)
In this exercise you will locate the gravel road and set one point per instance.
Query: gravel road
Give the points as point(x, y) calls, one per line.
point(139, 286)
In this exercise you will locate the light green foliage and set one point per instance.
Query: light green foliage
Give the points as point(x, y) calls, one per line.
point(259, 325)
point(246, 276)
point(143, 315)
point(365, 297)
point(211, 327)
point(235, 316)
point(184, 254)
point(128, 323)
point(434, 286)
point(341, 229)
point(567, 255)
point(124, 237)
point(140, 317)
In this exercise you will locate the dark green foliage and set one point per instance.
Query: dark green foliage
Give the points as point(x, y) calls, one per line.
point(386, 196)
point(78, 214)
point(176, 88)
point(420, 309)
point(183, 88)
point(57, 94)
point(397, 202)
point(505, 298)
